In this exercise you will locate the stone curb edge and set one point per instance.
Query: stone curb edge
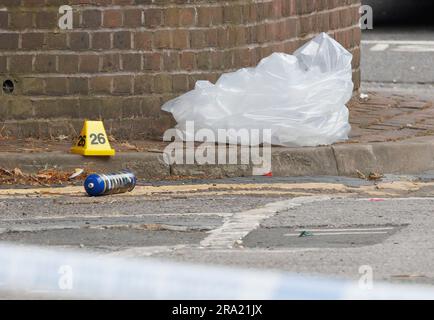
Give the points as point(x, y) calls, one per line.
point(405, 157)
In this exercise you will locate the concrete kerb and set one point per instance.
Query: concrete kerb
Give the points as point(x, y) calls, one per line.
point(404, 157)
point(146, 165)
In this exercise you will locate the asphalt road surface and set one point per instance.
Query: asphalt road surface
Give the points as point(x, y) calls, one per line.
point(328, 226)
point(398, 53)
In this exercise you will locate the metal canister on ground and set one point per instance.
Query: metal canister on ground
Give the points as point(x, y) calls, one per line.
point(111, 183)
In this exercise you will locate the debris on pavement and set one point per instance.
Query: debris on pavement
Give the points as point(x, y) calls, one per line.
point(372, 176)
point(130, 146)
point(364, 96)
point(361, 175)
point(77, 172)
point(44, 177)
point(305, 234)
point(105, 184)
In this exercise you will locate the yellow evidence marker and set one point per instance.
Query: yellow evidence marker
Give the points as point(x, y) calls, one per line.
point(93, 140)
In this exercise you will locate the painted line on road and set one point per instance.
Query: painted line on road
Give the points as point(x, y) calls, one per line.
point(393, 199)
point(399, 42)
point(380, 47)
point(414, 48)
point(347, 229)
point(126, 216)
point(337, 233)
point(400, 46)
point(240, 224)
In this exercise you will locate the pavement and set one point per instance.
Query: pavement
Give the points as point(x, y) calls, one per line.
point(391, 133)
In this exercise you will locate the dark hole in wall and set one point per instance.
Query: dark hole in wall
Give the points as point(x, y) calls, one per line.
point(8, 86)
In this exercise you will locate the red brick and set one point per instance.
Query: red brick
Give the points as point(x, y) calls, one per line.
point(101, 84)
point(143, 40)
point(91, 18)
point(20, 64)
point(171, 17)
point(197, 39)
point(110, 62)
point(122, 85)
point(152, 61)
point(32, 41)
point(179, 83)
point(3, 64)
point(56, 41)
point(132, 62)
point(45, 63)
point(112, 18)
point(101, 40)
point(162, 83)
point(46, 19)
point(68, 63)
point(8, 41)
point(79, 40)
point(187, 60)
point(153, 18)
point(170, 61)
point(79, 86)
point(4, 19)
point(56, 86)
point(187, 17)
point(122, 40)
point(162, 39)
point(133, 18)
point(20, 20)
point(89, 63)
point(143, 83)
point(180, 39)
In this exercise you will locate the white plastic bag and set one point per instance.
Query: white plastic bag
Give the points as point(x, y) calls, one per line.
point(300, 97)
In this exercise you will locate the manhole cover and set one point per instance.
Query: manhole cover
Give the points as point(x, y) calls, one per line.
point(319, 237)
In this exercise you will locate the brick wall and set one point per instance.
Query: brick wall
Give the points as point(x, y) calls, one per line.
point(124, 58)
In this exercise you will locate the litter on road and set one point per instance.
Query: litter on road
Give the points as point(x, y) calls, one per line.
point(299, 98)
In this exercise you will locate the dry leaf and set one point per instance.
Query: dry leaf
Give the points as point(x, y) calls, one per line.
point(129, 146)
point(17, 172)
point(375, 176)
point(77, 172)
point(361, 175)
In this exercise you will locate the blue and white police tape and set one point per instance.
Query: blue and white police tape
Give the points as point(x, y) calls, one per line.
point(67, 274)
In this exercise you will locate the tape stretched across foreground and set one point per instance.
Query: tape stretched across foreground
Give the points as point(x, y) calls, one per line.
point(33, 272)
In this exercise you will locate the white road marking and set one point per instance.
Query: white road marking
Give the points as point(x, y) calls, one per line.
point(336, 233)
point(414, 48)
point(137, 252)
point(399, 42)
point(126, 216)
point(344, 230)
point(400, 45)
point(242, 223)
point(380, 47)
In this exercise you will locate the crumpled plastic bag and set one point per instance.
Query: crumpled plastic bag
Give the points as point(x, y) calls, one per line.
point(300, 97)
